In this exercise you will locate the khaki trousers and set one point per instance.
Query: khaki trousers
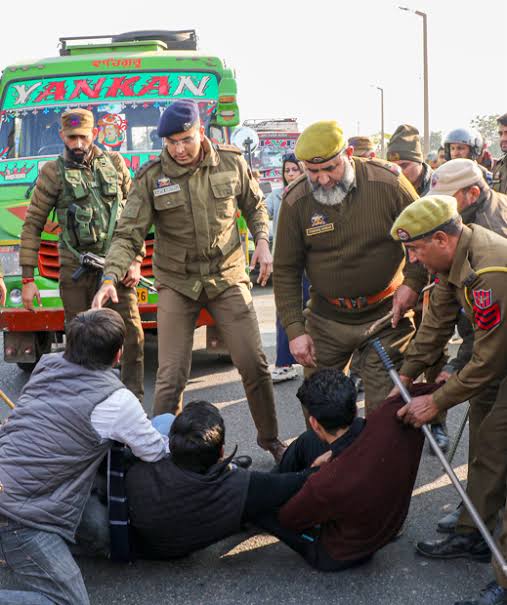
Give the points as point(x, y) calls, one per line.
point(236, 320)
point(336, 342)
point(78, 296)
point(487, 458)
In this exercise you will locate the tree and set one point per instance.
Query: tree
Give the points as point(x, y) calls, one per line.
point(488, 127)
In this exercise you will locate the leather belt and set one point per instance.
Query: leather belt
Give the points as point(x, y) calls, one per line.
point(363, 301)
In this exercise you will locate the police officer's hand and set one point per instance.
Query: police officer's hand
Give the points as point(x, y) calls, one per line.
point(405, 380)
point(404, 299)
point(3, 292)
point(133, 275)
point(303, 350)
point(262, 255)
point(443, 376)
point(28, 293)
point(419, 411)
point(105, 293)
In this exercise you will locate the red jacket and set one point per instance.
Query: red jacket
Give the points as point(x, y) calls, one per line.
point(361, 497)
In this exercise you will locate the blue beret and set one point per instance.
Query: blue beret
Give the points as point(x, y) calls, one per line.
point(178, 117)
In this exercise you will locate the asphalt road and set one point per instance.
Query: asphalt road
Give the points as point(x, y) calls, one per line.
point(251, 569)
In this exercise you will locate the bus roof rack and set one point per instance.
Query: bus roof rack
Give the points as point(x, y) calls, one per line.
point(174, 40)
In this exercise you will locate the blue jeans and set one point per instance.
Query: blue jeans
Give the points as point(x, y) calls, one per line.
point(283, 355)
point(41, 561)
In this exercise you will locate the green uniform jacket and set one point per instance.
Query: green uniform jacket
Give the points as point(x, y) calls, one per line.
point(194, 210)
point(486, 309)
point(48, 189)
point(500, 175)
point(345, 249)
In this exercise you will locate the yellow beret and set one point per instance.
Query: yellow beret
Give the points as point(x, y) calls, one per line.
point(423, 217)
point(77, 121)
point(320, 142)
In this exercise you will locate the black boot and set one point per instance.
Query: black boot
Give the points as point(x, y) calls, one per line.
point(471, 546)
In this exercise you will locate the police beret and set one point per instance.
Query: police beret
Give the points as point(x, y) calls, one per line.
point(320, 142)
point(423, 217)
point(405, 144)
point(178, 117)
point(77, 121)
point(455, 175)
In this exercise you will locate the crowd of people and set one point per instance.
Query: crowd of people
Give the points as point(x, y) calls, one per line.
point(395, 250)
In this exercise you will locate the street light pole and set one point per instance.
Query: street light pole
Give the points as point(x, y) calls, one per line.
point(382, 137)
point(425, 77)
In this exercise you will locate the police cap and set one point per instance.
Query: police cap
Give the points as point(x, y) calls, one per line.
point(320, 142)
point(423, 217)
point(180, 116)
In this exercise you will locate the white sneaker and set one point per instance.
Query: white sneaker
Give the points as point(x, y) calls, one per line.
point(284, 373)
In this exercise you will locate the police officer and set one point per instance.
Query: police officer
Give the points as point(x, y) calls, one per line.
point(334, 224)
point(404, 148)
point(466, 143)
point(500, 170)
point(471, 266)
point(87, 189)
point(363, 147)
point(192, 194)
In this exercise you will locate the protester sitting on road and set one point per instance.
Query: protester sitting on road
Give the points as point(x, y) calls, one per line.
point(357, 502)
point(195, 497)
point(284, 364)
point(69, 412)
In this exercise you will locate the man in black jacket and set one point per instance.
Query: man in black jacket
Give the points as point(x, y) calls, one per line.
point(195, 497)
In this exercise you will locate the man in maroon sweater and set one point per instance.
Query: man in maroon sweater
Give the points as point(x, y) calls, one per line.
point(357, 501)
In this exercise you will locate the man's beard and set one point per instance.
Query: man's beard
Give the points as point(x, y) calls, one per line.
point(335, 195)
point(77, 155)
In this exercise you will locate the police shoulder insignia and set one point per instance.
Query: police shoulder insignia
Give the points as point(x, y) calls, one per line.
point(146, 166)
point(487, 313)
point(231, 148)
point(393, 168)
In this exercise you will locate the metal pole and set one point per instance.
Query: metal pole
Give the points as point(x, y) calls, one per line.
point(426, 83)
point(382, 134)
point(388, 364)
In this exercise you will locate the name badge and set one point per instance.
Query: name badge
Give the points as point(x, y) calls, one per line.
point(163, 190)
point(320, 229)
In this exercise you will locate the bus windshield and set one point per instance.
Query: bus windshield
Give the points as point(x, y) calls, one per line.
point(126, 107)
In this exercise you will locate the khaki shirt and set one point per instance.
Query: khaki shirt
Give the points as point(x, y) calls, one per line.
point(194, 211)
point(500, 175)
point(486, 309)
point(48, 188)
point(346, 250)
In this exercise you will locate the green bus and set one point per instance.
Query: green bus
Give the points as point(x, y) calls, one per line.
point(127, 81)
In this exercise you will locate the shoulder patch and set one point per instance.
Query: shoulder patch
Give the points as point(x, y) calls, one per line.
point(296, 190)
point(146, 166)
point(393, 168)
point(230, 148)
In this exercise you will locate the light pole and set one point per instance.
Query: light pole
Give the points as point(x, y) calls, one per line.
point(425, 76)
point(382, 137)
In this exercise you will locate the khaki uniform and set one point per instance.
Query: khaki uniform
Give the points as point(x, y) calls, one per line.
point(484, 300)
point(198, 262)
point(350, 261)
point(500, 175)
point(49, 196)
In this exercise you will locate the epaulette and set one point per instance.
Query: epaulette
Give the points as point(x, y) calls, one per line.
point(231, 148)
point(146, 166)
point(296, 190)
point(470, 278)
point(393, 168)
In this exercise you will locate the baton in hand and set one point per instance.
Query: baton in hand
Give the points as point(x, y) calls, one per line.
point(388, 364)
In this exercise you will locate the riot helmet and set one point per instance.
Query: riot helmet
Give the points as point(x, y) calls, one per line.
point(464, 136)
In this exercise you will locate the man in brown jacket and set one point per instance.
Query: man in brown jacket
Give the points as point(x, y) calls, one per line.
point(333, 224)
point(470, 263)
point(192, 194)
point(87, 189)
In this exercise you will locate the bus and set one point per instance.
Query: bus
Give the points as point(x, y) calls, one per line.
point(127, 81)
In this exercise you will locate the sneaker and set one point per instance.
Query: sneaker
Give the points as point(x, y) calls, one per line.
point(283, 373)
